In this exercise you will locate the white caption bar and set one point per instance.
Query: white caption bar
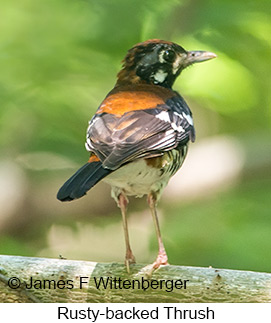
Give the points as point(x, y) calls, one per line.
point(108, 312)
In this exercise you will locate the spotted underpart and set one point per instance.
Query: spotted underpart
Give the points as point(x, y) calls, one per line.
point(146, 174)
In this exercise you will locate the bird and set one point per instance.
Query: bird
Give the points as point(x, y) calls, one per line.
point(139, 136)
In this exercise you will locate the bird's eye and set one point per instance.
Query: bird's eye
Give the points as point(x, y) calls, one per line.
point(169, 56)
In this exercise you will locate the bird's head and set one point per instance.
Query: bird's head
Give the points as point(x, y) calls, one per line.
point(158, 62)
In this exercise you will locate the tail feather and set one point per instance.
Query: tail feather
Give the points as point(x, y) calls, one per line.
point(80, 182)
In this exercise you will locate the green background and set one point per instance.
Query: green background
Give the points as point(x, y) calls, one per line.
point(58, 60)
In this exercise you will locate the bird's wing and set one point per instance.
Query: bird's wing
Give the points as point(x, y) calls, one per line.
point(120, 138)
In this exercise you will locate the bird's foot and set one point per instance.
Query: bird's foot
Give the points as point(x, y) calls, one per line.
point(161, 260)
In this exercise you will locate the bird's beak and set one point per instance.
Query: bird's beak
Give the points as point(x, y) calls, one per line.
point(197, 56)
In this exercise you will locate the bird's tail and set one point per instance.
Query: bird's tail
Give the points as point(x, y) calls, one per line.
point(80, 182)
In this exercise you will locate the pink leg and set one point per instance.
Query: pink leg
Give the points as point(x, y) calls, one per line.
point(162, 255)
point(129, 257)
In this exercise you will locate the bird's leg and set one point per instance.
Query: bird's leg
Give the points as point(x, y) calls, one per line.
point(129, 257)
point(162, 255)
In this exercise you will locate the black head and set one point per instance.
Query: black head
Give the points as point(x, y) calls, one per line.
point(158, 62)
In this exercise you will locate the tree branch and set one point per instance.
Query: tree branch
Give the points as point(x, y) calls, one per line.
point(58, 280)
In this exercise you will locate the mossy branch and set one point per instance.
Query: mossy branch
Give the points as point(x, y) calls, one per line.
point(58, 280)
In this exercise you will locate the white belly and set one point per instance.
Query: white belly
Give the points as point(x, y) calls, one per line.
point(137, 178)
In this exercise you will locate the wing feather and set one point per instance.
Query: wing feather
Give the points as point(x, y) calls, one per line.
point(117, 140)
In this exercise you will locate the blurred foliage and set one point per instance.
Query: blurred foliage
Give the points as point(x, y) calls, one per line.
point(59, 58)
point(230, 231)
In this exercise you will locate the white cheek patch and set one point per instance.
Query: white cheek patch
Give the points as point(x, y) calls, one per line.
point(179, 61)
point(160, 57)
point(160, 76)
point(188, 118)
point(176, 65)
